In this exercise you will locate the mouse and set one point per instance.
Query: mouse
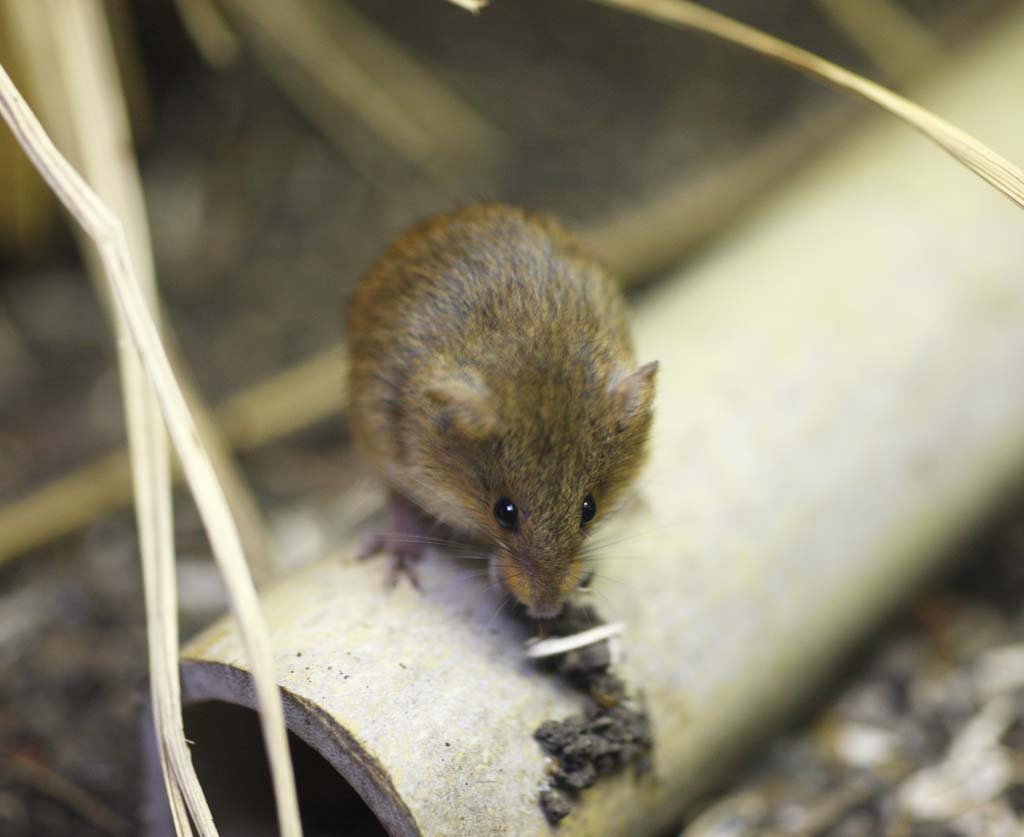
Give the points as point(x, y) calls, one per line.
point(493, 388)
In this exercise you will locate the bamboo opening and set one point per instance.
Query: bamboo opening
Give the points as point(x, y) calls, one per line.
point(228, 755)
point(341, 788)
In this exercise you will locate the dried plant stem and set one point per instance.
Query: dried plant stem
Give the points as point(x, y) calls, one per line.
point(654, 236)
point(85, 77)
point(244, 508)
point(25, 222)
point(87, 114)
point(332, 62)
point(469, 5)
point(209, 32)
point(65, 504)
point(992, 168)
point(885, 32)
point(284, 403)
point(563, 644)
point(109, 236)
point(88, 807)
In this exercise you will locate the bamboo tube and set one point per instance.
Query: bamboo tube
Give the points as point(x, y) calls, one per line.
point(839, 403)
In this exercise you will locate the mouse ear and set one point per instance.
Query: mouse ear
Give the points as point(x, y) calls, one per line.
point(465, 403)
point(633, 392)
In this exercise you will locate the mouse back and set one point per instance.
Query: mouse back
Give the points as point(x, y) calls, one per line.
point(492, 365)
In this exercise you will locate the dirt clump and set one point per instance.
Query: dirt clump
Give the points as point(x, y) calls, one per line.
point(612, 733)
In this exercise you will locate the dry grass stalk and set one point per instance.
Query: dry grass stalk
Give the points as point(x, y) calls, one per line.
point(85, 76)
point(208, 30)
point(470, 5)
point(885, 32)
point(89, 120)
point(77, 799)
point(333, 62)
point(84, 88)
point(63, 505)
point(563, 644)
point(109, 236)
point(654, 236)
point(25, 222)
point(989, 166)
point(128, 52)
point(286, 402)
point(282, 404)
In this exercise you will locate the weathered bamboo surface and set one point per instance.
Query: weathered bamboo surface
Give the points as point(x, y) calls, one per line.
point(841, 399)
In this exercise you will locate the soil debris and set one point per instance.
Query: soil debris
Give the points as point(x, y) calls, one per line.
point(555, 804)
point(612, 732)
point(595, 744)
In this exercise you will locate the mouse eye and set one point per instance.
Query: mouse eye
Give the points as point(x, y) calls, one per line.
point(506, 513)
point(589, 509)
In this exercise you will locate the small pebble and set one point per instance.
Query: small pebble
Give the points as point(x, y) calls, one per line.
point(555, 805)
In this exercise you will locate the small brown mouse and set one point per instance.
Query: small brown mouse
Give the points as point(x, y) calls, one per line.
point(493, 385)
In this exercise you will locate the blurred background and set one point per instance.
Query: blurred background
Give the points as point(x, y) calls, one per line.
point(281, 145)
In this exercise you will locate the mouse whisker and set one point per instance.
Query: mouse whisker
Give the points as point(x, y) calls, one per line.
point(607, 605)
point(505, 601)
point(473, 575)
point(412, 538)
point(599, 543)
point(604, 577)
point(494, 539)
point(599, 556)
point(598, 572)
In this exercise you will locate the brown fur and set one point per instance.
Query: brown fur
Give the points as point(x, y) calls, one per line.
point(491, 357)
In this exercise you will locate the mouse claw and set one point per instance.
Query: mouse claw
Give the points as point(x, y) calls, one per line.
point(372, 545)
point(404, 565)
point(403, 558)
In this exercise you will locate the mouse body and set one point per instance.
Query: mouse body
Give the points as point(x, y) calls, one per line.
point(493, 384)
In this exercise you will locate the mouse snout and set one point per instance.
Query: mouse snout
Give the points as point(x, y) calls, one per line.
point(540, 609)
point(542, 587)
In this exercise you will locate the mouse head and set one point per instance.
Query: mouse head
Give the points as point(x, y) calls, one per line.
point(533, 469)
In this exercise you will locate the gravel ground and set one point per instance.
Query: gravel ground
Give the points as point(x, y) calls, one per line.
point(923, 735)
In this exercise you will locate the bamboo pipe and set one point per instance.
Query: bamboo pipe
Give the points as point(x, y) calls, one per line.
point(841, 400)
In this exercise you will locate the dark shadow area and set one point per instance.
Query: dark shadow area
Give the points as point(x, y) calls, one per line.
point(228, 756)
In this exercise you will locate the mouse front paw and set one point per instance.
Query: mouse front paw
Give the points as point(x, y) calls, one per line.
point(402, 553)
point(404, 540)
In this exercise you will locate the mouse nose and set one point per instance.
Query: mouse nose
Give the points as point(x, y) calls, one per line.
point(550, 586)
point(543, 593)
point(545, 609)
